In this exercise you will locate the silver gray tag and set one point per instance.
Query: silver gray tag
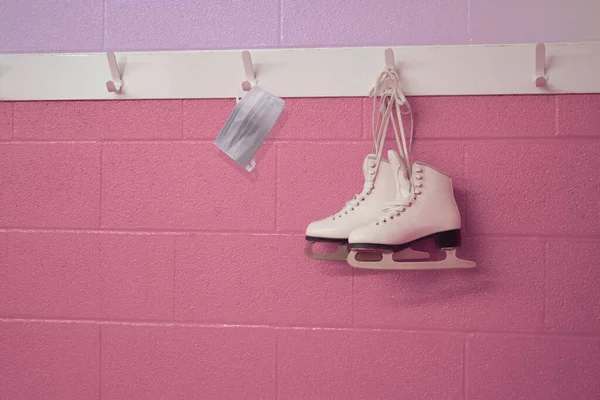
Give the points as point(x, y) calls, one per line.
point(248, 125)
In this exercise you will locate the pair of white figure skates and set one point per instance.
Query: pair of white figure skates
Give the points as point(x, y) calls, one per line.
point(400, 204)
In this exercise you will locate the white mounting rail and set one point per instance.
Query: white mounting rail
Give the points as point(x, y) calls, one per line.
point(329, 72)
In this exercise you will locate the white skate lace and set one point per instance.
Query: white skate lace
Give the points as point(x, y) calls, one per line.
point(392, 105)
point(392, 99)
point(355, 202)
point(395, 208)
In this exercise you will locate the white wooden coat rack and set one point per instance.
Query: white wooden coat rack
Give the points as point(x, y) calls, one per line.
point(326, 72)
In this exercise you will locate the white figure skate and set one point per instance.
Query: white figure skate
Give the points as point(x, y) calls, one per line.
point(427, 209)
point(379, 189)
point(380, 181)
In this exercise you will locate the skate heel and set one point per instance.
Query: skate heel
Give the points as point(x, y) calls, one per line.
point(448, 239)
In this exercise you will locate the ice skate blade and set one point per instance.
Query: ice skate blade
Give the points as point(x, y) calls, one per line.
point(450, 262)
point(404, 254)
point(340, 255)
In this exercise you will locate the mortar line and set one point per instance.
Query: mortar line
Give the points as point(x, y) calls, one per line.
point(100, 194)
point(276, 173)
point(352, 320)
point(363, 111)
point(181, 232)
point(174, 276)
point(100, 362)
point(538, 236)
point(358, 141)
point(12, 121)
point(469, 21)
point(465, 370)
point(466, 195)
point(556, 116)
point(125, 231)
point(546, 247)
point(182, 119)
point(276, 367)
point(279, 24)
point(383, 329)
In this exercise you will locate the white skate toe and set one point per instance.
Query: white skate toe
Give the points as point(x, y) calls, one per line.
point(326, 230)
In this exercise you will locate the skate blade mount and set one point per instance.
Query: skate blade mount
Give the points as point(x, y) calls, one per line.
point(387, 262)
point(342, 253)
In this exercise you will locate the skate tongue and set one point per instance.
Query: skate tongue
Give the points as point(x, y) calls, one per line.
point(400, 174)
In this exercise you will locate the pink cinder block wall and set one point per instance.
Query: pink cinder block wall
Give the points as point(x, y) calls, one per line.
point(136, 262)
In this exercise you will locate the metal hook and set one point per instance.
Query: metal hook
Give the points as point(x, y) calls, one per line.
point(117, 83)
point(248, 70)
point(390, 63)
point(540, 65)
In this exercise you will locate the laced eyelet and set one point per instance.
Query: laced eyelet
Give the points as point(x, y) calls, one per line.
point(419, 170)
point(419, 184)
point(418, 177)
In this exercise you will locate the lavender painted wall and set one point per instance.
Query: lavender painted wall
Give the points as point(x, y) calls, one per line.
point(96, 25)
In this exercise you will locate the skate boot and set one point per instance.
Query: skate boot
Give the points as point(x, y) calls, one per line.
point(379, 189)
point(427, 210)
point(381, 182)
